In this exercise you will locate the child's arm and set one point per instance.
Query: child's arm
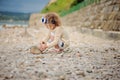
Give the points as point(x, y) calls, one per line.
point(58, 34)
point(46, 38)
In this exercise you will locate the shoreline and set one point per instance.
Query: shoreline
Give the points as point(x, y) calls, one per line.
point(6, 26)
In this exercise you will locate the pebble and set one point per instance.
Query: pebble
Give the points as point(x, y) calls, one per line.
point(68, 72)
point(8, 77)
point(67, 65)
point(80, 73)
point(42, 75)
point(20, 50)
point(37, 57)
point(62, 77)
point(89, 71)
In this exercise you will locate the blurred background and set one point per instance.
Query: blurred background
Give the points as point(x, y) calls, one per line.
point(17, 12)
point(93, 14)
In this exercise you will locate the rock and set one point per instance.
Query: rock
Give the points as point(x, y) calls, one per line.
point(116, 2)
point(89, 71)
point(117, 16)
point(62, 77)
point(112, 16)
point(97, 17)
point(20, 50)
point(116, 56)
point(104, 17)
point(35, 50)
point(107, 9)
point(109, 3)
point(39, 57)
point(116, 8)
point(103, 1)
point(80, 73)
point(36, 61)
point(42, 75)
point(68, 72)
point(8, 77)
point(108, 26)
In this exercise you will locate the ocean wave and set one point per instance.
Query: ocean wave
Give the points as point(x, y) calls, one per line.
point(12, 24)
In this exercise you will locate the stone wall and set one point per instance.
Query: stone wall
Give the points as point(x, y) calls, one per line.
point(104, 15)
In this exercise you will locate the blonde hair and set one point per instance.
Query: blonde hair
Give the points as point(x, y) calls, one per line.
point(53, 18)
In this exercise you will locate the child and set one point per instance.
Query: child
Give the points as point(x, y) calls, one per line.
point(56, 36)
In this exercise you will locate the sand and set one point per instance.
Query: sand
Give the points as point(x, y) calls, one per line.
point(87, 58)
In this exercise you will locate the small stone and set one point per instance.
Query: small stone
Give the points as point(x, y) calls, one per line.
point(80, 73)
point(37, 57)
point(5, 59)
point(47, 70)
point(91, 50)
point(62, 77)
point(113, 49)
point(69, 56)
point(43, 63)
point(35, 50)
point(36, 72)
point(20, 50)
point(106, 50)
point(31, 64)
point(8, 77)
point(37, 61)
point(42, 75)
point(61, 55)
point(89, 71)
point(68, 72)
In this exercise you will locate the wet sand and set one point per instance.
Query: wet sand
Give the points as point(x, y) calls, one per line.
point(87, 58)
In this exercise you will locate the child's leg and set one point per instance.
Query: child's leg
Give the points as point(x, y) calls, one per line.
point(56, 46)
point(58, 49)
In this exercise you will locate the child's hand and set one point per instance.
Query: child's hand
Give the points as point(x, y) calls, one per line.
point(43, 46)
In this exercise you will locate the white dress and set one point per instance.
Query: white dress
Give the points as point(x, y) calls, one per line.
point(60, 37)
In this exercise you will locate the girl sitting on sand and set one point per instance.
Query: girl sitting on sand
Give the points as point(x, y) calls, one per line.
point(56, 36)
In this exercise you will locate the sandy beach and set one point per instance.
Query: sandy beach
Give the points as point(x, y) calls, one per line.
point(87, 58)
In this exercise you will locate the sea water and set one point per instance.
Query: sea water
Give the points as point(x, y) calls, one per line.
point(13, 23)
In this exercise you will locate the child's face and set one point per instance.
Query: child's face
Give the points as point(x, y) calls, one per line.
point(50, 26)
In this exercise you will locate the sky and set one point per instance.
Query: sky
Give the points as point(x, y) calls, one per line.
point(24, 6)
